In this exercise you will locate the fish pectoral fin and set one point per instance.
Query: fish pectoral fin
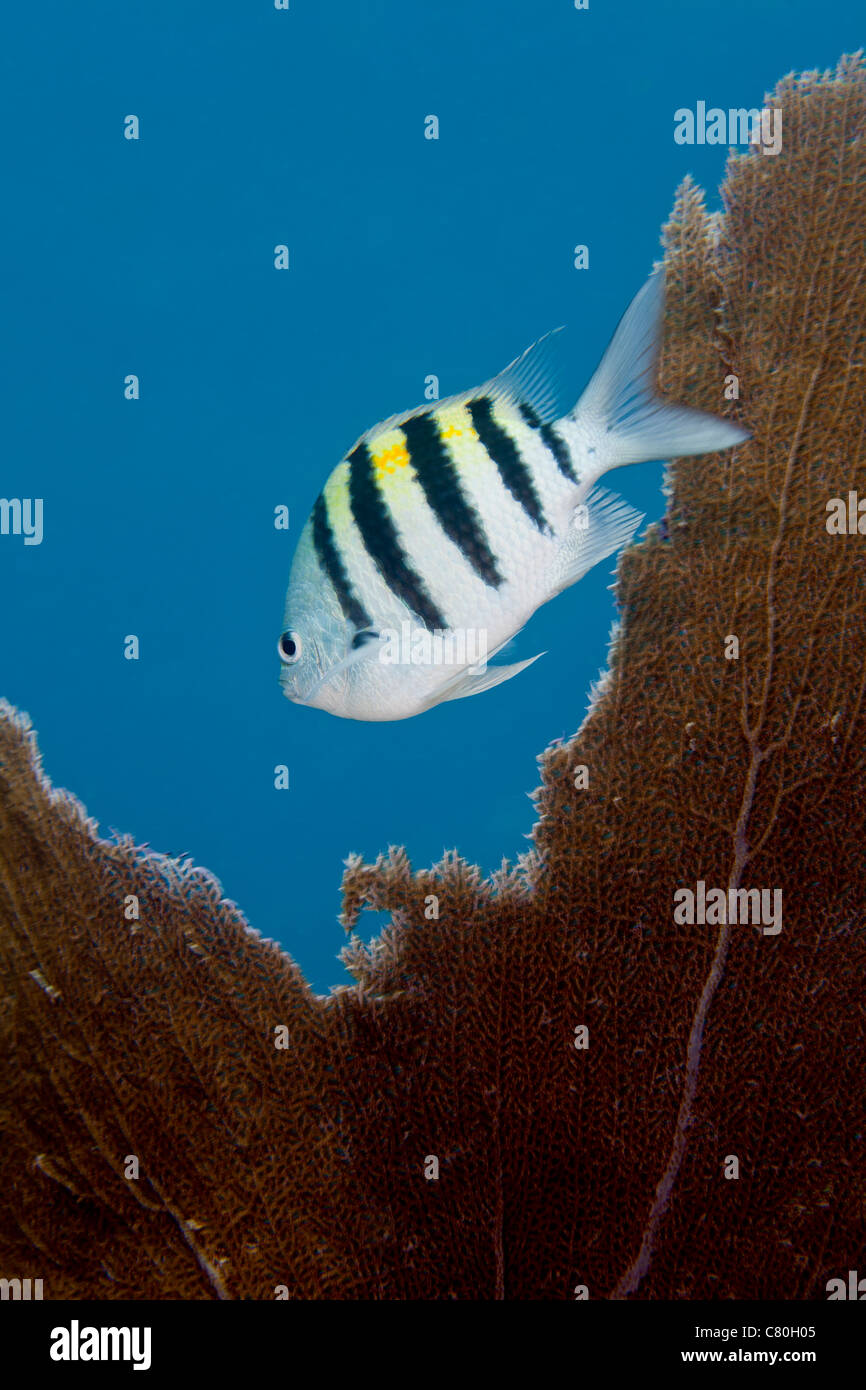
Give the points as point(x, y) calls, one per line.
point(365, 645)
point(469, 683)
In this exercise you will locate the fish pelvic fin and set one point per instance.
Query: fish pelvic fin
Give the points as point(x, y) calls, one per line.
point(472, 683)
point(622, 420)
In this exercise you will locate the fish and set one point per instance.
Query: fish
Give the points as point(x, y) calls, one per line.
point(443, 529)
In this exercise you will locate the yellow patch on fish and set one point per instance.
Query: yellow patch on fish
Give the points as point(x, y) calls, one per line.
point(455, 426)
point(388, 452)
point(389, 460)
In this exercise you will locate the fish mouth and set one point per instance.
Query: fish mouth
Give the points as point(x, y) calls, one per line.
point(297, 697)
point(305, 694)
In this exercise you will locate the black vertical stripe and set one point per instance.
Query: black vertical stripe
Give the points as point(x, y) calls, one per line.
point(437, 474)
point(505, 454)
point(331, 561)
point(383, 544)
point(555, 444)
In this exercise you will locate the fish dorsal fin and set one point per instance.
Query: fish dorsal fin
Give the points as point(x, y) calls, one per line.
point(535, 379)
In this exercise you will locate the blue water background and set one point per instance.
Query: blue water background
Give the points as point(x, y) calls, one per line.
point(408, 257)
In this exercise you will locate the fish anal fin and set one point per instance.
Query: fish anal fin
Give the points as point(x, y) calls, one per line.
point(599, 526)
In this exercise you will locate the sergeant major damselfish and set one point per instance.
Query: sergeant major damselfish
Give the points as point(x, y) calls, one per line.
point(469, 514)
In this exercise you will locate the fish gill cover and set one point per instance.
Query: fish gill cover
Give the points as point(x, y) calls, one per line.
point(541, 1089)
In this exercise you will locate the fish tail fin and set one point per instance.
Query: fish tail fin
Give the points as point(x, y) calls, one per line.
point(621, 418)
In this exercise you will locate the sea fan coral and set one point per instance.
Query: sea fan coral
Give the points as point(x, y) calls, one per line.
point(538, 1083)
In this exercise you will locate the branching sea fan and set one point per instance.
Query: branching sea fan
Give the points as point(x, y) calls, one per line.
point(553, 1083)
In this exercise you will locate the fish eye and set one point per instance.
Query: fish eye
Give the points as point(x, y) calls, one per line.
point(289, 647)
